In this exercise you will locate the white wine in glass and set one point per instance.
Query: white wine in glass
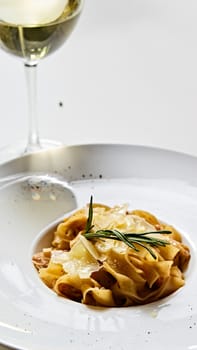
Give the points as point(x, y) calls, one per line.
point(31, 30)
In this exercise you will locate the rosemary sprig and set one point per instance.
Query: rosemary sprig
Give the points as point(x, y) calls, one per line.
point(89, 225)
point(131, 239)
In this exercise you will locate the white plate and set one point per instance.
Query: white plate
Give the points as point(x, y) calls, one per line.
point(31, 316)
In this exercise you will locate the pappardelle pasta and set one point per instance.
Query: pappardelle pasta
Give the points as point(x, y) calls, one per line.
point(110, 256)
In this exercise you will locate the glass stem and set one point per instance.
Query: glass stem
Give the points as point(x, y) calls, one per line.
point(33, 143)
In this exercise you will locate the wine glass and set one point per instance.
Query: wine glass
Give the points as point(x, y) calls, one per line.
point(31, 30)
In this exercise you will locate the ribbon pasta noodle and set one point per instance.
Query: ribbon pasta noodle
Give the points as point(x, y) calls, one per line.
point(108, 272)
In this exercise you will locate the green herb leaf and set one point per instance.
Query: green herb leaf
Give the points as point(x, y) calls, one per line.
point(131, 239)
point(90, 216)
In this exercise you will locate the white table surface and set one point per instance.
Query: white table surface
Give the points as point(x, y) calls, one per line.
point(128, 74)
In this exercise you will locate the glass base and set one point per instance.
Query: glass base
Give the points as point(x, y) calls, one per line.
point(19, 149)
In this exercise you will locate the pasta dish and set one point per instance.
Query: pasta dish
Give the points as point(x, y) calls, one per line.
point(110, 256)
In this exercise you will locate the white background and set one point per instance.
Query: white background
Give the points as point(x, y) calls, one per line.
point(128, 74)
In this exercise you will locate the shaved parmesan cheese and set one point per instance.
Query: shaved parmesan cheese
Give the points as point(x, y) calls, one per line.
point(117, 218)
point(79, 260)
